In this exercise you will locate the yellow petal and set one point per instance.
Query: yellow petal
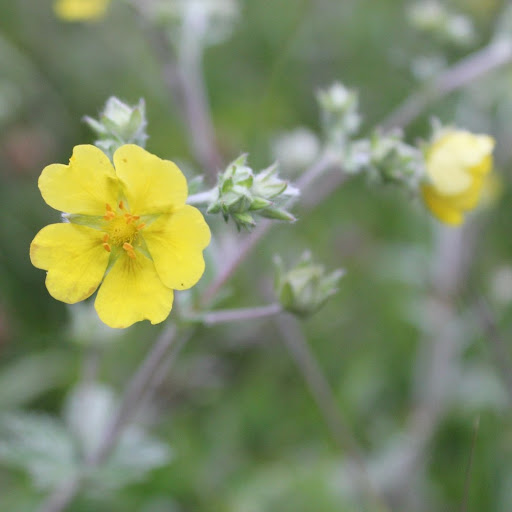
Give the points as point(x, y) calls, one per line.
point(131, 292)
point(74, 257)
point(151, 185)
point(444, 210)
point(84, 186)
point(80, 10)
point(483, 168)
point(454, 156)
point(176, 242)
point(468, 199)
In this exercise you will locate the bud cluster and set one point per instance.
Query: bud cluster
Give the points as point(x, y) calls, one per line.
point(208, 22)
point(240, 194)
point(434, 18)
point(306, 287)
point(339, 113)
point(392, 161)
point(118, 124)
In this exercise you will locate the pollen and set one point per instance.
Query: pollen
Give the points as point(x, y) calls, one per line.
point(109, 214)
point(121, 229)
point(129, 250)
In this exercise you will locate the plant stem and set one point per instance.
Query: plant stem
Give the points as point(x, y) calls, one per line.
point(133, 393)
point(497, 344)
point(438, 357)
point(63, 495)
point(467, 479)
point(479, 63)
point(201, 198)
point(238, 314)
point(182, 73)
point(325, 400)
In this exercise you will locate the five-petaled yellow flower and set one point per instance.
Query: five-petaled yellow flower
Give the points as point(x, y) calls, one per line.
point(129, 230)
point(80, 10)
point(457, 165)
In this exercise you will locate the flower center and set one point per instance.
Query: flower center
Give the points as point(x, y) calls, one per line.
point(121, 229)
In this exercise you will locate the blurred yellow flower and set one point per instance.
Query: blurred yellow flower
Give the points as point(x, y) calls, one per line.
point(457, 166)
point(80, 10)
point(129, 230)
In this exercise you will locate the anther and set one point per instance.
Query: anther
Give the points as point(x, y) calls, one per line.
point(121, 205)
point(129, 250)
point(141, 226)
point(130, 218)
point(106, 237)
point(106, 247)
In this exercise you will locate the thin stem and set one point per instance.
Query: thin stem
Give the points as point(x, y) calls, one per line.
point(201, 198)
point(63, 495)
point(182, 73)
point(327, 161)
point(467, 479)
point(133, 393)
point(478, 64)
point(497, 343)
point(162, 371)
point(238, 314)
point(325, 400)
point(438, 356)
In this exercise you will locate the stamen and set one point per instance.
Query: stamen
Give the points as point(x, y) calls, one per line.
point(130, 218)
point(106, 247)
point(129, 250)
point(106, 237)
point(108, 207)
point(141, 226)
point(109, 215)
point(121, 205)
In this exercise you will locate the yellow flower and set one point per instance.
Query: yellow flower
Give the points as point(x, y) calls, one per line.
point(129, 230)
point(457, 165)
point(80, 10)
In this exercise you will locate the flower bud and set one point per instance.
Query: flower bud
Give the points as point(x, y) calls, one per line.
point(119, 124)
point(306, 287)
point(392, 161)
point(458, 164)
point(240, 192)
point(339, 111)
point(433, 18)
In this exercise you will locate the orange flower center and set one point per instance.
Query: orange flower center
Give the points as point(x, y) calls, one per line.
point(121, 229)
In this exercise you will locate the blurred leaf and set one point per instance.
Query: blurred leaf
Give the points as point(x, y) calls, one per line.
point(39, 445)
point(88, 413)
point(25, 379)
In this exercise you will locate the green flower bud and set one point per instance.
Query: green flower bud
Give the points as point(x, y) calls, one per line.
point(392, 161)
point(339, 112)
point(240, 191)
point(434, 18)
point(306, 287)
point(244, 220)
point(119, 124)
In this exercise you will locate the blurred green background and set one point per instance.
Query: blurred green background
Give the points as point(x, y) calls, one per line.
point(244, 431)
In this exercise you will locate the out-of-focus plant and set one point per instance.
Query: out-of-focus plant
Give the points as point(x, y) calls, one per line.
point(135, 228)
point(457, 166)
point(80, 10)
